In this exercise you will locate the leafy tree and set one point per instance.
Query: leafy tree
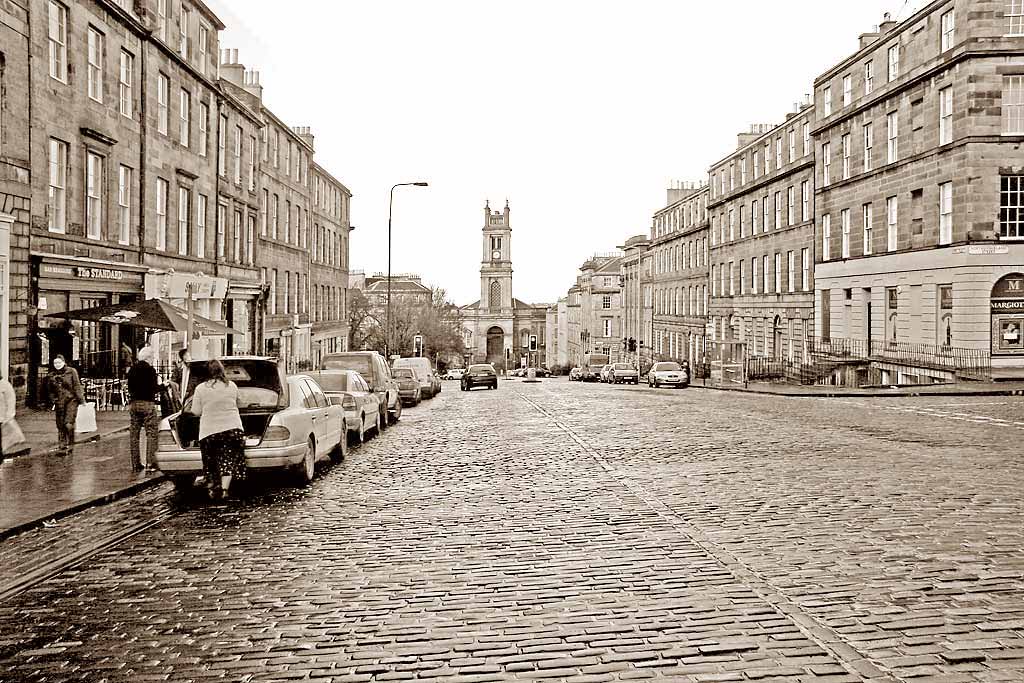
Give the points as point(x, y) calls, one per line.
point(439, 321)
point(364, 328)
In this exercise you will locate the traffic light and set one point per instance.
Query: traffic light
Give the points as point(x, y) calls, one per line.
point(533, 342)
point(417, 345)
point(632, 345)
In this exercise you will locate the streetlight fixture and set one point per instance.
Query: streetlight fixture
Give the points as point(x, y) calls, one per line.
point(387, 323)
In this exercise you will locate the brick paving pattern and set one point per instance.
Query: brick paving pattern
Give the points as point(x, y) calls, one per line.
point(563, 531)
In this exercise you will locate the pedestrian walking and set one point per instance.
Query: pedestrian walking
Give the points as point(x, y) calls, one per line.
point(178, 373)
point(126, 359)
point(221, 439)
point(8, 402)
point(143, 387)
point(64, 389)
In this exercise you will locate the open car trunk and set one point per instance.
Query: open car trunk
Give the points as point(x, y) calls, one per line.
point(261, 394)
point(254, 424)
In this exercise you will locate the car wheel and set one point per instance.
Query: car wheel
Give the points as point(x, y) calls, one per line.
point(379, 426)
point(398, 412)
point(656, 385)
point(306, 469)
point(361, 433)
point(184, 483)
point(341, 450)
point(382, 419)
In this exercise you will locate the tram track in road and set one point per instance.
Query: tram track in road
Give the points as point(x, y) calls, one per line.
point(55, 567)
point(814, 629)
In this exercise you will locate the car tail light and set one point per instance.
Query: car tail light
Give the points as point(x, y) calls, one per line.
point(348, 403)
point(165, 441)
point(277, 433)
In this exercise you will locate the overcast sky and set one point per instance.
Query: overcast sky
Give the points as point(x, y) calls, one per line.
point(579, 113)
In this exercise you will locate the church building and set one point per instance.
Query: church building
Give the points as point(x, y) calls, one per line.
point(499, 326)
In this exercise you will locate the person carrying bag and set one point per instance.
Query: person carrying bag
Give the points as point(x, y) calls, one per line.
point(64, 389)
point(11, 436)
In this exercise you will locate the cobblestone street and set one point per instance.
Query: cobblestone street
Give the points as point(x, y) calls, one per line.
point(568, 531)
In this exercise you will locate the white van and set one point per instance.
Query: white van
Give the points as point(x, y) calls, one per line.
point(429, 384)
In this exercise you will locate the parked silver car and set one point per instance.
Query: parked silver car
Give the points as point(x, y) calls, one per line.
point(624, 373)
point(289, 423)
point(362, 406)
point(376, 373)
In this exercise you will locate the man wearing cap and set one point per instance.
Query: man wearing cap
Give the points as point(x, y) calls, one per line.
point(143, 387)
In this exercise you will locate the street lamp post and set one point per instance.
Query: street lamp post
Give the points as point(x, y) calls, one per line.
point(387, 319)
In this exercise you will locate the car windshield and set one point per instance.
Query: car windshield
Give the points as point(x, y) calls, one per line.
point(404, 373)
point(481, 370)
point(623, 366)
point(667, 367)
point(334, 381)
point(359, 364)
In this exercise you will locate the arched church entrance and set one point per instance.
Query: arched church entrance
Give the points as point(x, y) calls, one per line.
point(496, 347)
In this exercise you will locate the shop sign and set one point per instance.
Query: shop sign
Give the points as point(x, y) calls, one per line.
point(66, 271)
point(83, 272)
point(1008, 294)
point(92, 273)
point(988, 250)
point(181, 285)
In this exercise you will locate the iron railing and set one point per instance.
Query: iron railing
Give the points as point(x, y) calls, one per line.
point(963, 362)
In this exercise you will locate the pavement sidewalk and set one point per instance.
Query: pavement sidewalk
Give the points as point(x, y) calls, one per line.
point(959, 389)
point(41, 429)
point(38, 485)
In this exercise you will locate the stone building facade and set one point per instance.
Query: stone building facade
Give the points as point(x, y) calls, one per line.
point(15, 193)
point(284, 257)
point(593, 310)
point(762, 234)
point(920, 199)
point(329, 250)
point(637, 314)
point(679, 279)
point(498, 327)
point(149, 158)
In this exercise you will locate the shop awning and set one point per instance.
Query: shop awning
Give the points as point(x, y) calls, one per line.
point(154, 314)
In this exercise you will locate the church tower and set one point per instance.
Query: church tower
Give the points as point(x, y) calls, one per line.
point(496, 263)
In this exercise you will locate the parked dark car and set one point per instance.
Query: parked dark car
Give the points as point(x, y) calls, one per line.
point(408, 386)
point(480, 376)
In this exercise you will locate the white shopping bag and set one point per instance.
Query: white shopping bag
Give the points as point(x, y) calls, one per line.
point(86, 420)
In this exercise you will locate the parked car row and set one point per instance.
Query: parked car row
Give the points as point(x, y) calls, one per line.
point(665, 373)
point(524, 372)
point(292, 422)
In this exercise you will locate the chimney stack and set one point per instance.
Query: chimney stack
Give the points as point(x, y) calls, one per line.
point(887, 24)
point(304, 134)
point(756, 131)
